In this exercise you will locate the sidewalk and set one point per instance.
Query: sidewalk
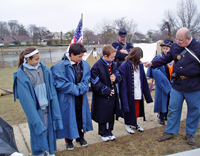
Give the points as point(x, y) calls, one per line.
point(22, 135)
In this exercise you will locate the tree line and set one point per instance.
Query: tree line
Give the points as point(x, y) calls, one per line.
point(185, 15)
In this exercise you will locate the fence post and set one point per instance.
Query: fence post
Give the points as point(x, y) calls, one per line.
point(50, 54)
point(2, 57)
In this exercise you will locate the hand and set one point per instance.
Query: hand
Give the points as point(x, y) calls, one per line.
point(123, 51)
point(147, 64)
point(112, 78)
point(112, 92)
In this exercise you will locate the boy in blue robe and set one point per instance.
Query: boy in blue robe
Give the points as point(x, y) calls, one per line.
point(71, 79)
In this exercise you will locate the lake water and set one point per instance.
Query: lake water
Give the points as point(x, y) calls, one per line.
point(11, 57)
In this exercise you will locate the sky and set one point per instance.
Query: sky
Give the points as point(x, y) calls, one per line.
point(64, 15)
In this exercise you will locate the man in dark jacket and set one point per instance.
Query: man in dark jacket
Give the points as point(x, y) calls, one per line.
point(122, 47)
point(186, 85)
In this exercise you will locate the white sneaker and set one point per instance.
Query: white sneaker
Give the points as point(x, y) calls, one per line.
point(112, 137)
point(105, 138)
point(130, 130)
point(140, 129)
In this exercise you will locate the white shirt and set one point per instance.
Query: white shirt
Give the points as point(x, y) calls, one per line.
point(137, 84)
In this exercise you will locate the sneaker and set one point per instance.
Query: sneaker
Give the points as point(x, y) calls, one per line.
point(82, 142)
point(161, 121)
point(165, 136)
point(105, 138)
point(111, 137)
point(130, 130)
point(140, 129)
point(69, 145)
point(190, 139)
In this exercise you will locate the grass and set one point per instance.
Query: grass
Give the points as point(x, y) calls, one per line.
point(140, 144)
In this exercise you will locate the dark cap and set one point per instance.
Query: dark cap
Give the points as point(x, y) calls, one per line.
point(167, 42)
point(122, 33)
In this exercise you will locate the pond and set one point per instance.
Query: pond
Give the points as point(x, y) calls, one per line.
point(10, 58)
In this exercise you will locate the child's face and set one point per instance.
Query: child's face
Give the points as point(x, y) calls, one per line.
point(34, 61)
point(76, 58)
point(110, 58)
point(165, 49)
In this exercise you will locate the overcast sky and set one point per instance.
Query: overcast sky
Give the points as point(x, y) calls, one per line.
point(64, 15)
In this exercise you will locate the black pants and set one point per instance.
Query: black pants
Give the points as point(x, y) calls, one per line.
point(106, 128)
point(78, 107)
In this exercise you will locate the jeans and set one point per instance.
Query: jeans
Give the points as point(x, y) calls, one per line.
point(175, 110)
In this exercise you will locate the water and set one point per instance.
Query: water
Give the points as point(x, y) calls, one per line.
point(11, 58)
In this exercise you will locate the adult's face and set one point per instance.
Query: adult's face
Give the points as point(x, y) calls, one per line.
point(182, 41)
point(122, 39)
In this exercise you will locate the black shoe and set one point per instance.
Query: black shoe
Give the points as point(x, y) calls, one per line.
point(165, 136)
point(190, 139)
point(69, 145)
point(82, 142)
point(161, 121)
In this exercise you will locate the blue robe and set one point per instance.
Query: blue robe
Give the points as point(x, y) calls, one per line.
point(126, 91)
point(64, 81)
point(163, 88)
point(23, 90)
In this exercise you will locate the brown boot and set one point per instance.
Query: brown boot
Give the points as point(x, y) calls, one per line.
point(165, 136)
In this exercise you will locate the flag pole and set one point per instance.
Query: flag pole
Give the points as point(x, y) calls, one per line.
point(82, 23)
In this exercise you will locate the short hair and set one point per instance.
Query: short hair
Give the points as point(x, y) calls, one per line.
point(188, 34)
point(108, 49)
point(76, 49)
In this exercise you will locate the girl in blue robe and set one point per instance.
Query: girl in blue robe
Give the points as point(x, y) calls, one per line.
point(33, 86)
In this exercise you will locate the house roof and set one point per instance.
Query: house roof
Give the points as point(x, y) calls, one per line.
point(8, 39)
point(1, 41)
point(23, 38)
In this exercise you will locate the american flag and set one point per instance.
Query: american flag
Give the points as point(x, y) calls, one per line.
point(78, 36)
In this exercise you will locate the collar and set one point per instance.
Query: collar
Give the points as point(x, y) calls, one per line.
point(70, 61)
point(31, 67)
point(106, 62)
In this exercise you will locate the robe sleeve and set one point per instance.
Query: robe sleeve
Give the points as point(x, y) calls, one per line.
point(146, 90)
point(123, 89)
point(22, 92)
point(62, 83)
point(161, 80)
point(96, 84)
point(84, 84)
point(55, 107)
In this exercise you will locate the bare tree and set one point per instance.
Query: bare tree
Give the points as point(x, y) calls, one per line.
point(40, 33)
point(32, 28)
point(4, 29)
point(186, 15)
point(22, 31)
point(88, 36)
point(13, 27)
point(106, 32)
point(129, 25)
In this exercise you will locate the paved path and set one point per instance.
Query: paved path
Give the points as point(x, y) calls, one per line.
point(22, 135)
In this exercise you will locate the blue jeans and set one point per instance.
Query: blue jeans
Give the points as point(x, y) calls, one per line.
point(175, 109)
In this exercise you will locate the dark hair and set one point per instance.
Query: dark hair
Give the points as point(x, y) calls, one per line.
point(134, 56)
point(107, 50)
point(26, 51)
point(76, 49)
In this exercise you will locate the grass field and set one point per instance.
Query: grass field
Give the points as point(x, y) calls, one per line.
point(140, 144)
